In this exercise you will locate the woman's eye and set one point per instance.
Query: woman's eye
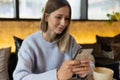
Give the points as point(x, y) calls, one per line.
point(58, 17)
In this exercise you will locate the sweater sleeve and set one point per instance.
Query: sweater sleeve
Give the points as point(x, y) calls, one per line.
point(74, 48)
point(24, 68)
point(24, 75)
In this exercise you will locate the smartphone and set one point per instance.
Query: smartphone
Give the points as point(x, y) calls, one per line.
point(83, 53)
point(78, 51)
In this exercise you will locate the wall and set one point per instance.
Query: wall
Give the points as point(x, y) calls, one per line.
point(83, 31)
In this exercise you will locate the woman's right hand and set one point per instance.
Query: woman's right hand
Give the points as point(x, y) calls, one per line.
point(65, 71)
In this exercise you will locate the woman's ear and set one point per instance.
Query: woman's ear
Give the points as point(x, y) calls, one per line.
point(46, 16)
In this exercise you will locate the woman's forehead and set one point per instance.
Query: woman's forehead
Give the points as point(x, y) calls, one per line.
point(63, 10)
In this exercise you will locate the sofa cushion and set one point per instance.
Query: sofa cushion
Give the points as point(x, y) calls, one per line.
point(4, 55)
point(12, 64)
point(116, 51)
point(105, 42)
point(18, 41)
point(106, 45)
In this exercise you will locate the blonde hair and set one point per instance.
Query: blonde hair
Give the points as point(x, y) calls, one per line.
point(64, 37)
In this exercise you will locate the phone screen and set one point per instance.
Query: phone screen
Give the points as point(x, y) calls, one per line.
point(83, 53)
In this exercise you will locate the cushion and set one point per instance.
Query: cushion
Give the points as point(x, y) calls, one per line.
point(108, 54)
point(106, 42)
point(116, 51)
point(106, 45)
point(4, 55)
point(117, 38)
point(12, 64)
point(18, 42)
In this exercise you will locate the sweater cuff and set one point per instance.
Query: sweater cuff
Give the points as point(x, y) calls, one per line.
point(53, 74)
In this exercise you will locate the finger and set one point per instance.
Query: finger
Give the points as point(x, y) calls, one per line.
point(79, 69)
point(81, 66)
point(85, 61)
point(82, 73)
point(84, 65)
point(76, 62)
point(73, 62)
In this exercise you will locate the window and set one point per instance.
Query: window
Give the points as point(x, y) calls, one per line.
point(31, 9)
point(7, 8)
point(76, 8)
point(81, 9)
point(98, 9)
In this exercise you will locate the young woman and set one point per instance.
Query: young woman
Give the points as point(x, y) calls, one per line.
point(48, 54)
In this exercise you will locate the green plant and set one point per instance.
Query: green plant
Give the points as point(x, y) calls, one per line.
point(114, 17)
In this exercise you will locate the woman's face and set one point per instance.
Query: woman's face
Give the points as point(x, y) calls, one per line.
point(58, 20)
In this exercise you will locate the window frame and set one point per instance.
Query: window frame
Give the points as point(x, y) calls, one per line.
point(29, 19)
point(83, 12)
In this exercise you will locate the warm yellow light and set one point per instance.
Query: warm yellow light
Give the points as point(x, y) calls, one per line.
point(83, 32)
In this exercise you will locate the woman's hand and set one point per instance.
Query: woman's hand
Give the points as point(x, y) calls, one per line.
point(65, 72)
point(82, 69)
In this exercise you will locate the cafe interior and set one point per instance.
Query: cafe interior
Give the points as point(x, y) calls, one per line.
point(90, 26)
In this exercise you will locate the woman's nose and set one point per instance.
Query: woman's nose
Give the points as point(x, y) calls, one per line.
point(63, 22)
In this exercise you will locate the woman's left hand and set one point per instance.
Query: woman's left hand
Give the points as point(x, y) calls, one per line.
point(82, 69)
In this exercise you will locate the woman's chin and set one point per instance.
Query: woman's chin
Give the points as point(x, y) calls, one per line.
point(58, 32)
